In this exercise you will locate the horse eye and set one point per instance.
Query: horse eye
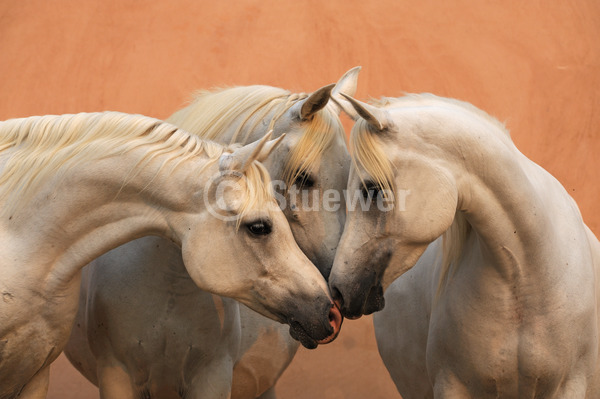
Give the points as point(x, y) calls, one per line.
point(260, 228)
point(370, 189)
point(304, 180)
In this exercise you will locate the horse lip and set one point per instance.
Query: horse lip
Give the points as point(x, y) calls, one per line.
point(336, 324)
point(370, 301)
point(375, 301)
point(369, 290)
point(299, 333)
point(328, 339)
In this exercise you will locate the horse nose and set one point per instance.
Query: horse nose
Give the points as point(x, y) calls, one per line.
point(335, 320)
point(338, 300)
point(337, 297)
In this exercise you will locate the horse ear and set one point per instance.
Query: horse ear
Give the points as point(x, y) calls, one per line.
point(305, 109)
point(376, 117)
point(268, 147)
point(243, 157)
point(346, 85)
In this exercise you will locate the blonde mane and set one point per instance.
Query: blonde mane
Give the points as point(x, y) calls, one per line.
point(39, 147)
point(211, 113)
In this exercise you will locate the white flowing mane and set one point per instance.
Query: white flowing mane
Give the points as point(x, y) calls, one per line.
point(211, 112)
point(41, 146)
point(370, 154)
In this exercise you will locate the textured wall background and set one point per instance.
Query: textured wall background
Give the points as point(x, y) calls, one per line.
point(534, 65)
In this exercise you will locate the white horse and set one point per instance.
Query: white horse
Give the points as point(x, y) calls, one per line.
point(123, 305)
point(503, 300)
point(75, 186)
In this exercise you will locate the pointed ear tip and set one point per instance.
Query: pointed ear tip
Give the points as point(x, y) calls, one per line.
point(352, 100)
point(266, 137)
point(275, 142)
point(329, 87)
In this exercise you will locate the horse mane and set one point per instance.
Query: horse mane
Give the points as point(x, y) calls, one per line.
point(39, 147)
point(428, 99)
point(211, 113)
point(453, 243)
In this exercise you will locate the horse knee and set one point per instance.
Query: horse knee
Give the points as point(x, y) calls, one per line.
point(37, 387)
point(115, 383)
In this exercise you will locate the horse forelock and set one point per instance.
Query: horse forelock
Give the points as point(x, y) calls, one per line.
point(367, 152)
point(259, 191)
point(43, 146)
point(317, 137)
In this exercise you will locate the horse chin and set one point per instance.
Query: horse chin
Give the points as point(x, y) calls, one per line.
point(375, 300)
point(364, 294)
point(299, 334)
point(307, 337)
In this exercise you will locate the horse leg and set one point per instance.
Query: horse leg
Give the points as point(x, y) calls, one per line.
point(268, 394)
point(447, 386)
point(37, 387)
point(575, 387)
point(213, 382)
point(115, 383)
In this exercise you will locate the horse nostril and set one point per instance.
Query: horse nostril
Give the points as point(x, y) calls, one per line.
point(335, 318)
point(337, 297)
point(335, 321)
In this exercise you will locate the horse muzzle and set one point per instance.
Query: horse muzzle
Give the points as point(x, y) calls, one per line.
point(363, 297)
point(308, 334)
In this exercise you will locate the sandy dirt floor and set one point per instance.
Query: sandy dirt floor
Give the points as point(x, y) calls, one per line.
point(534, 65)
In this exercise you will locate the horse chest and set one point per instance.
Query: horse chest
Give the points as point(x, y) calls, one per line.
point(39, 332)
point(501, 345)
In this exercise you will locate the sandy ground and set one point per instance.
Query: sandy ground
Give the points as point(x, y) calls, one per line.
point(534, 65)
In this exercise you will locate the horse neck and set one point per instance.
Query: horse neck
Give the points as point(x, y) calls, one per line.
point(91, 210)
point(507, 200)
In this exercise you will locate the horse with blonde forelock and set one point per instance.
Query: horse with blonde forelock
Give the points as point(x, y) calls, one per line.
point(145, 327)
point(73, 187)
point(488, 274)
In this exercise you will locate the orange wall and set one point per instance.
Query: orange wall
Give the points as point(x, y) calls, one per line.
point(535, 65)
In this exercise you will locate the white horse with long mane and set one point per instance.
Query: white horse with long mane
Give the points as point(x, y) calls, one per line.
point(75, 186)
point(128, 316)
point(490, 275)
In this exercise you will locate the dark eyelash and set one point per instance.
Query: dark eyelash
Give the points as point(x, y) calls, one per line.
point(303, 179)
point(370, 189)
